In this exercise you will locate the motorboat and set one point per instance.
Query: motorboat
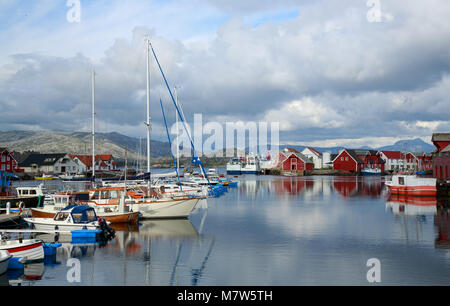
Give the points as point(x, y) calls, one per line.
point(371, 171)
point(63, 200)
point(71, 218)
point(23, 251)
point(412, 185)
point(4, 261)
point(44, 177)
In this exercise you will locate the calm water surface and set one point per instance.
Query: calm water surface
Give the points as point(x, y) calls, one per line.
point(272, 231)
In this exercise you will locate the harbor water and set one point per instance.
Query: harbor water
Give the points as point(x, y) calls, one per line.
point(270, 231)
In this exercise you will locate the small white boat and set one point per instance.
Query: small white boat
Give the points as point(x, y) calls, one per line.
point(4, 261)
point(23, 251)
point(71, 218)
point(371, 171)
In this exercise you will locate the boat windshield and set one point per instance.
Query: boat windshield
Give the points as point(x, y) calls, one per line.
point(61, 216)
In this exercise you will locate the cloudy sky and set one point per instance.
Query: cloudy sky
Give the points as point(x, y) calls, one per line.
point(335, 72)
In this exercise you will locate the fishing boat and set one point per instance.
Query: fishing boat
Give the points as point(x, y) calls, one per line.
point(23, 251)
point(71, 218)
point(412, 185)
point(234, 167)
point(250, 165)
point(11, 196)
point(4, 261)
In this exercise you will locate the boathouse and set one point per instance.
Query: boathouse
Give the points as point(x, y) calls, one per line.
point(292, 160)
point(348, 160)
point(441, 157)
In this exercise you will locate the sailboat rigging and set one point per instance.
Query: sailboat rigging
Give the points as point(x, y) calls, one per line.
point(195, 160)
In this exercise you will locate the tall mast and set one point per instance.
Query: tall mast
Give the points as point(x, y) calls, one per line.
point(176, 116)
point(147, 44)
point(93, 124)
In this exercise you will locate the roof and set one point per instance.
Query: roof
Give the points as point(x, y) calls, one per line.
point(299, 155)
point(314, 151)
point(352, 154)
point(41, 159)
point(393, 154)
point(441, 137)
point(290, 150)
point(87, 159)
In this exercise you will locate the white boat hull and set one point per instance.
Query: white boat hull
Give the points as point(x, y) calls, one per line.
point(51, 225)
point(165, 209)
point(27, 251)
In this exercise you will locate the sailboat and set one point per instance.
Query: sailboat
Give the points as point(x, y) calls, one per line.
point(144, 199)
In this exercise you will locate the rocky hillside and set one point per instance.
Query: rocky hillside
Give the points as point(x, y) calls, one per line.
point(79, 143)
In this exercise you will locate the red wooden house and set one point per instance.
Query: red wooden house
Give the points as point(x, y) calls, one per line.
point(441, 157)
point(348, 160)
point(294, 161)
point(357, 160)
point(7, 161)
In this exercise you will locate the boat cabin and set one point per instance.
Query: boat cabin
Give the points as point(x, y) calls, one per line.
point(77, 215)
point(30, 191)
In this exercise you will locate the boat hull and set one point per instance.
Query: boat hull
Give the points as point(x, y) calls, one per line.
point(29, 202)
point(50, 225)
point(417, 191)
point(177, 209)
point(26, 252)
point(42, 213)
point(119, 218)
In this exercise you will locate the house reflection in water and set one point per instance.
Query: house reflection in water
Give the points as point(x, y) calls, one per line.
point(442, 222)
point(358, 186)
point(311, 186)
point(292, 186)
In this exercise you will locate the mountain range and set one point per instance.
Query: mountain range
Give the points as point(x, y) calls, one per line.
point(117, 144)
point(412, 145)
point(80, 143)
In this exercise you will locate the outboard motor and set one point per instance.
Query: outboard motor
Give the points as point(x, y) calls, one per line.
point(107, 232)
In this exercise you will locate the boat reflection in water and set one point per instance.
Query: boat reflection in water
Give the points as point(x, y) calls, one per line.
point(412, 214)
point(412, 206)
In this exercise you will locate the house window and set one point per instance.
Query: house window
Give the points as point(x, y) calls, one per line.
point(346, 159)
point(342, 159)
